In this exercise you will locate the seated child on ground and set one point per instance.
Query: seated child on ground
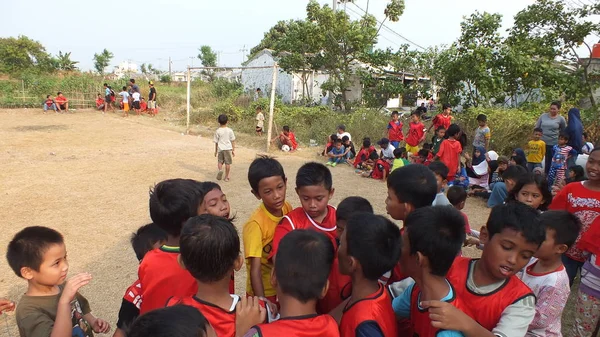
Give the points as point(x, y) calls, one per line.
point(350, 151)
point(99, 102)
point(269, 183)
point(147, 238)
point(172, 203)
point(441, 172)
point(533, 191)
point(210, 251)
point(302, 267)
point(337, 154)
point(366, 156)
point(387, 149)
point(330, 144)
point(143, 105)
point(50, 306)
point(500, 191)
point(496, 302)
point(288, 138)
point(432, 237)
point(370, 246)
point(457, 196)
point(546, 275)
point(179, 320)
point(400, 159)
point(461, 179)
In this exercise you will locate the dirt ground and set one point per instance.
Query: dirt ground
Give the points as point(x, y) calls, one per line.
point(88, 176)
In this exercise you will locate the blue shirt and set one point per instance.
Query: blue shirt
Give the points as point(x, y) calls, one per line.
point(402, 304)
point(335, 151)
point(106, 92)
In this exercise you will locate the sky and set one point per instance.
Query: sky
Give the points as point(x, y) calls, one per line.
point(159, 29)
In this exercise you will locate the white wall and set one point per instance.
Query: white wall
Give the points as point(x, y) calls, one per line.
point(262, 78)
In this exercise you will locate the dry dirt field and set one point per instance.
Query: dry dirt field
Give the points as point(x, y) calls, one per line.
point(88, 176)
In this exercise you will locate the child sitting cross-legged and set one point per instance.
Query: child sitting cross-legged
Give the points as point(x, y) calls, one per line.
point(432, 237)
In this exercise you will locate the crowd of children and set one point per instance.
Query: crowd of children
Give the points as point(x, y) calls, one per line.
point(131, 100)
point(320, 271)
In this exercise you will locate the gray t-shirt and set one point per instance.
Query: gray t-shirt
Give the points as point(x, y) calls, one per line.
point(36, 315)
point(551, 127)
point(223, 138)
point(481, 134)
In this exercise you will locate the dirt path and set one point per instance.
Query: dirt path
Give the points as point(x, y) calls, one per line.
point(88, 176)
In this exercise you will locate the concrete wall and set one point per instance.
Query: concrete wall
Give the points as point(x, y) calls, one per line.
point(594, 76)
point(262, 78)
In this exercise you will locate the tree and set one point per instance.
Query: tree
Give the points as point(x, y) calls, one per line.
point(64, 62)
point(271, 37)
point(209, 59)
point(144, 69)
point(153, 70)
point(102, 60)
point(21, 54)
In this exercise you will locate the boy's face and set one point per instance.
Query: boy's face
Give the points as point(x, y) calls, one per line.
point(414, 118)
point(338, 145)
point(441, 133)
point(530, 195)
point(340, 227)
point(537, 135)
point(54, 268)
point(447, 111)
point(408, 263)
point(346, 263)
point(571, 174)
point(314, 199)
point(340, 131)
point(481, 123)
point(441, 181)
point(549, 249)
point(562, 141)
point(506, 253)
point(593, 166)
point(502, 166)
point(384, 146)
point(215, 203)
point(272, 192)
point(286, 132)
point(395, 117)
point(394, 206)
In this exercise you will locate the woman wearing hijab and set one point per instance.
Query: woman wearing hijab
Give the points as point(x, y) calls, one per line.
point(575, 131)
point(477, 168)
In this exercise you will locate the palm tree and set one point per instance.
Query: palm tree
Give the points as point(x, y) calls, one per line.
point(64, 62)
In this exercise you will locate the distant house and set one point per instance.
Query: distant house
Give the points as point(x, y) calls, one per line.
point(125, 69)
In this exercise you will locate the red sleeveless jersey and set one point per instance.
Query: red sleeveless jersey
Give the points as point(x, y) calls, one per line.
point(420, 323)
point(441, 120)
point(486, 309)
point(222, 320)
point(340, 288)
point(304, 326)
point(395, 132)
point(375, 308)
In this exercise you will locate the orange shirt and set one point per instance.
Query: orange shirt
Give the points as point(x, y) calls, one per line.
point(61, 99)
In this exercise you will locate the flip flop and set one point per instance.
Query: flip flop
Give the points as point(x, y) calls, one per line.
point(220, 175)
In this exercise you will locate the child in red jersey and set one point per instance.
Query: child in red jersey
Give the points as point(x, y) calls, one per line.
point(210, 251)
point(450, 150)
point(432, 237)
point(314, 188)
point(179, 320)
point(269, 184)
point(495, 301)
point(172, 203)
point(147, 238)
point(302, 266)
point(416, 133)
point(395, 130)
point(369, 247)
point(442, 120)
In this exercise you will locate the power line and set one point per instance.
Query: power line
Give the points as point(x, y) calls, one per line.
point(381, 35)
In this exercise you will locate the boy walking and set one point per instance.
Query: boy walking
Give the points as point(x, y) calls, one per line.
point(50, 306)
point(482, 133)
point(224, 147)
point(536, 150)
point(125, 100)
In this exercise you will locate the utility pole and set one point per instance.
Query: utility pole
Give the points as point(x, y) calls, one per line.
point(243, 50)
point(334, 5)
point(170, 74)
point(219, 57)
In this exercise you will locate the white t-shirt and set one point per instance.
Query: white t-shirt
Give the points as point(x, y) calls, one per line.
point(136, 96)
point(223, 138)
point(260, 120)
point(125, 96)
point(341, 135)
point(388, 152)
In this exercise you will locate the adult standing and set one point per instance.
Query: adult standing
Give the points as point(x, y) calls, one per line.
point(152, 98)
point(575, 131)
point(134, 87)
point(551, 124)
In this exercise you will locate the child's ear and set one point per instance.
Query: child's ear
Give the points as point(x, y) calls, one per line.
point(408, 208)
point(255, 194)
point(462, 204)
point(27, 273)
point(422, 260)
point(324, 290)
point(561, 249)
point(484, 235)
point(180, 261)
point(238, 263)
point(331, 193)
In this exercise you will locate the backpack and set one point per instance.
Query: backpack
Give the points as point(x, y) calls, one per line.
point(380, 167)
point(112, 93)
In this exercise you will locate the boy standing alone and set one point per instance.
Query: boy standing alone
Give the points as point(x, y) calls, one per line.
point(536, 150)
point(152, 99)
point(224, 147)
point(260, 121)
point(482, 133)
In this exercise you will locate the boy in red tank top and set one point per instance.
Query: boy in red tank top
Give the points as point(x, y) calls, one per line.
point(179, 320)
point(302, 266)
point(432, 237)
point(210, 251)
point(369, 246)
point(394, 127)
point(496, 302)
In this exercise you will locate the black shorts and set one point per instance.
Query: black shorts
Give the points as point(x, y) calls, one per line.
point(258, 129)
point(136, 104)
point(63, 106)
point(108, 98)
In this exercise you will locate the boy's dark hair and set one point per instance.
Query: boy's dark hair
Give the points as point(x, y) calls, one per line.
point(352, 205)
point(342, 127)
point(518, 217)
point(333, 137)
point(414, 184)
point(367, 143)
point(27, 248)
point(303, 263)
point(105, 84)
point(416, 113)
point(481, 118)
point(565, 225)
point(427, 146)
point(453, 130)
point(579, 172)
point(446, 106)
point(259, 108)
point(145, 237)
point(179, 320)
point(48, 96)
point(375, 242)
point(209, 246)
point(312, 174)
point(264, 167)
point(542, 184)
point(538, 130)
point(286, 128)
point(399, 152)
point(395, 112)
point(456, 195)
point(439, 169)
point(58, 93)
point(564, 136)
point(338, 141)
point(514, 172)
point(345, 139)
point(423, 153)
point(124, 88)
point(132, 80)
point(222, 119)
point(437, 232)
point(173, 202)
point(439, 128)
point(556, 104)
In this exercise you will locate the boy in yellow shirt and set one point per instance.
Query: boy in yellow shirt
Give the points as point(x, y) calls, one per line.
point(536, 150)
point(268, 182)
